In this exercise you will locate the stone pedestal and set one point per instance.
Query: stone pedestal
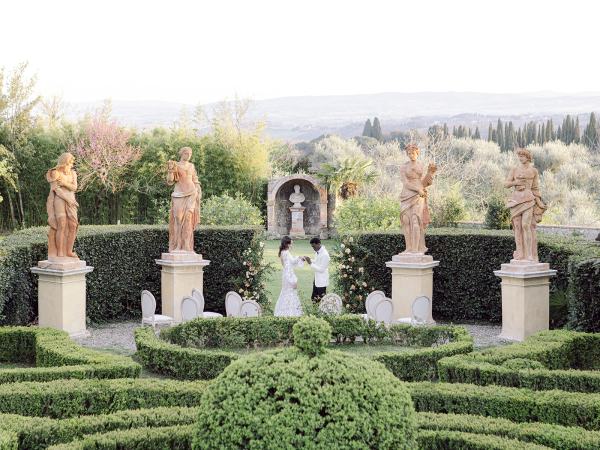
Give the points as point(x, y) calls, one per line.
point(297, 229)
point(412, 277)
point(181, 272)
point(525, 298)
point(61, 294)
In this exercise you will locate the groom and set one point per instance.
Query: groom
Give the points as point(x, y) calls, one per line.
point(320, 265)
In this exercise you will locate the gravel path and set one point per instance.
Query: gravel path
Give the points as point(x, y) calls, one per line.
point(118, 337)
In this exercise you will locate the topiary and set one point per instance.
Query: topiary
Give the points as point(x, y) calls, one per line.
point(522, 363)
point(306, 397)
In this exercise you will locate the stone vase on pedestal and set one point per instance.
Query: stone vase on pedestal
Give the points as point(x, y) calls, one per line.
point(412, 277)
point(525, 298)
point(180, 273)
point(297, 229)
point(61, 294)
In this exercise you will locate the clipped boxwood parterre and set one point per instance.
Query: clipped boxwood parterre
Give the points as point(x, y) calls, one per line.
point(193, 350)
point(123, 257)
point(56, 356)
point(464, 284)
point(543, 361)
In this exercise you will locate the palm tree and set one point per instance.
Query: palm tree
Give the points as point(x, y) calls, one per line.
point(345, 179)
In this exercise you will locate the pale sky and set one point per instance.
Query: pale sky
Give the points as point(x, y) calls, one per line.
point(204, 51)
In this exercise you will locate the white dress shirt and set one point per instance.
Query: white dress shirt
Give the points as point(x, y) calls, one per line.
point(320, 264)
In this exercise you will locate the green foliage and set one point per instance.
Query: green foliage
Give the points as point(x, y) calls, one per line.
point(37, 433)
point(448, 208)
point(288, 399)
point(311, 335)
point(468, 441)
point(56, 356)
point(461, 293)
point(198, 353)
point(71, 398)
point(179, 362)
point(497, 216)
point(544, 361)
point(367, 214)
point(124, 264)
point(226, 210)
point(519, 405)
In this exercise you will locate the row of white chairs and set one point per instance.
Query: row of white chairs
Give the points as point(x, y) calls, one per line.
point(191, 307)
point(235, 306)
point(381, 309)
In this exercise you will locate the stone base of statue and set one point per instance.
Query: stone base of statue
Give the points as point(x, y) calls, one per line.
point(412, 277)
point(181, 272)
point(61, 294)
point(297, 229)
point(525, 298)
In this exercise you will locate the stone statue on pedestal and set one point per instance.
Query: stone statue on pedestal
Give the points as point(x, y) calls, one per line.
point(185, 202)
point(297, 211)
point(414, 213)
point(62, 210)
point(297, 197)
point(526, 206)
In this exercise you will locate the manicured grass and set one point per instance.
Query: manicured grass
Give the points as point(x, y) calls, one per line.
point(305, 273)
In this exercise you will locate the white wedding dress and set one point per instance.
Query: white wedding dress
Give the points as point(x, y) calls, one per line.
point(288, 303)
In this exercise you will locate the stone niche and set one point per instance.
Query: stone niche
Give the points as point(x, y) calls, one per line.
point(279, 216)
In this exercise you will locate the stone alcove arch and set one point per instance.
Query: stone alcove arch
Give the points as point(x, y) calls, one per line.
point(278, 213)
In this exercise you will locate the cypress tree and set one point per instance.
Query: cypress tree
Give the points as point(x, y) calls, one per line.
point(368, 129)
point(377, 134)
point(577, 132)
point(549, 131)
point(510, 137)
point(500, 134)
point(445, 130)
point(543, 134)
point(490, 133)
point(559, 133)
point(591, 135)
point(477, 135)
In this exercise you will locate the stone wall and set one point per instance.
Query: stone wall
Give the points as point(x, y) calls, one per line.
point(283, 216)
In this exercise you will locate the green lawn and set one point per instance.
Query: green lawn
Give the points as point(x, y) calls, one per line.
point(305, 274)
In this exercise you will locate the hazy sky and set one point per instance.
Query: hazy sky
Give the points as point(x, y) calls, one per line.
point(203, 51)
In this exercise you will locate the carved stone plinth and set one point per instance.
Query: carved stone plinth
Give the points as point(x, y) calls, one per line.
point(297, 229)
point(61, 294)
point(525, 298)
point(412, 277)
point(181, 272)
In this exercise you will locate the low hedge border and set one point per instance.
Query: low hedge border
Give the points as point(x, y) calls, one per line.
point(459, 291)
point(56, 356)
point(123, 257)
point(177, 359)
point(68, 398)
point(443, 439)
point(558, 352)
point(519, 405)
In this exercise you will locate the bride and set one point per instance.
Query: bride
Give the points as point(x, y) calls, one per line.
point(288, 303)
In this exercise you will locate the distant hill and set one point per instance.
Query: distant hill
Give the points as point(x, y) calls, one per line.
point(304, 118)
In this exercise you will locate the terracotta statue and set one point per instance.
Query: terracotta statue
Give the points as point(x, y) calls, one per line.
point(185, 202)
point(62, 208)
point(526, 206)
point(414, 213)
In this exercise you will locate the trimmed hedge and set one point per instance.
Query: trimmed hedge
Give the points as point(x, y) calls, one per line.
point(464, 284)
point(56, 356)
point(123, 257)
point(69, 398)
point(553, 436)
point(544, 361)
point(177, 359)
point(519, 405)
point(37, 433)
point(442, 439)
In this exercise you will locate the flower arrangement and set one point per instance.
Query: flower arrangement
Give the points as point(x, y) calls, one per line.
point(251, 283)
point(351, 276)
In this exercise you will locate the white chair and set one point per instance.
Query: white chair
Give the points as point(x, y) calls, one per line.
point(250, 308)
point(199, 297)
point(189, 309)
point(420, 311)
point(148, 310)
point(384, 310)
point(371, 303)
point(233, 303)
point(331, 304)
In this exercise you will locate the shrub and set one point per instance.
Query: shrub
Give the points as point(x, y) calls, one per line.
point(292, 399)
point(459, 292)
point(367, 214)
point(448, 208)
point(497, 215)
point(226, 210)
point(56, 356)
point(37, 433)
point(544, 361)
point(519, 405)
point(124, 263)
point(190, 363)
point(433, 439)
point(70, 398)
